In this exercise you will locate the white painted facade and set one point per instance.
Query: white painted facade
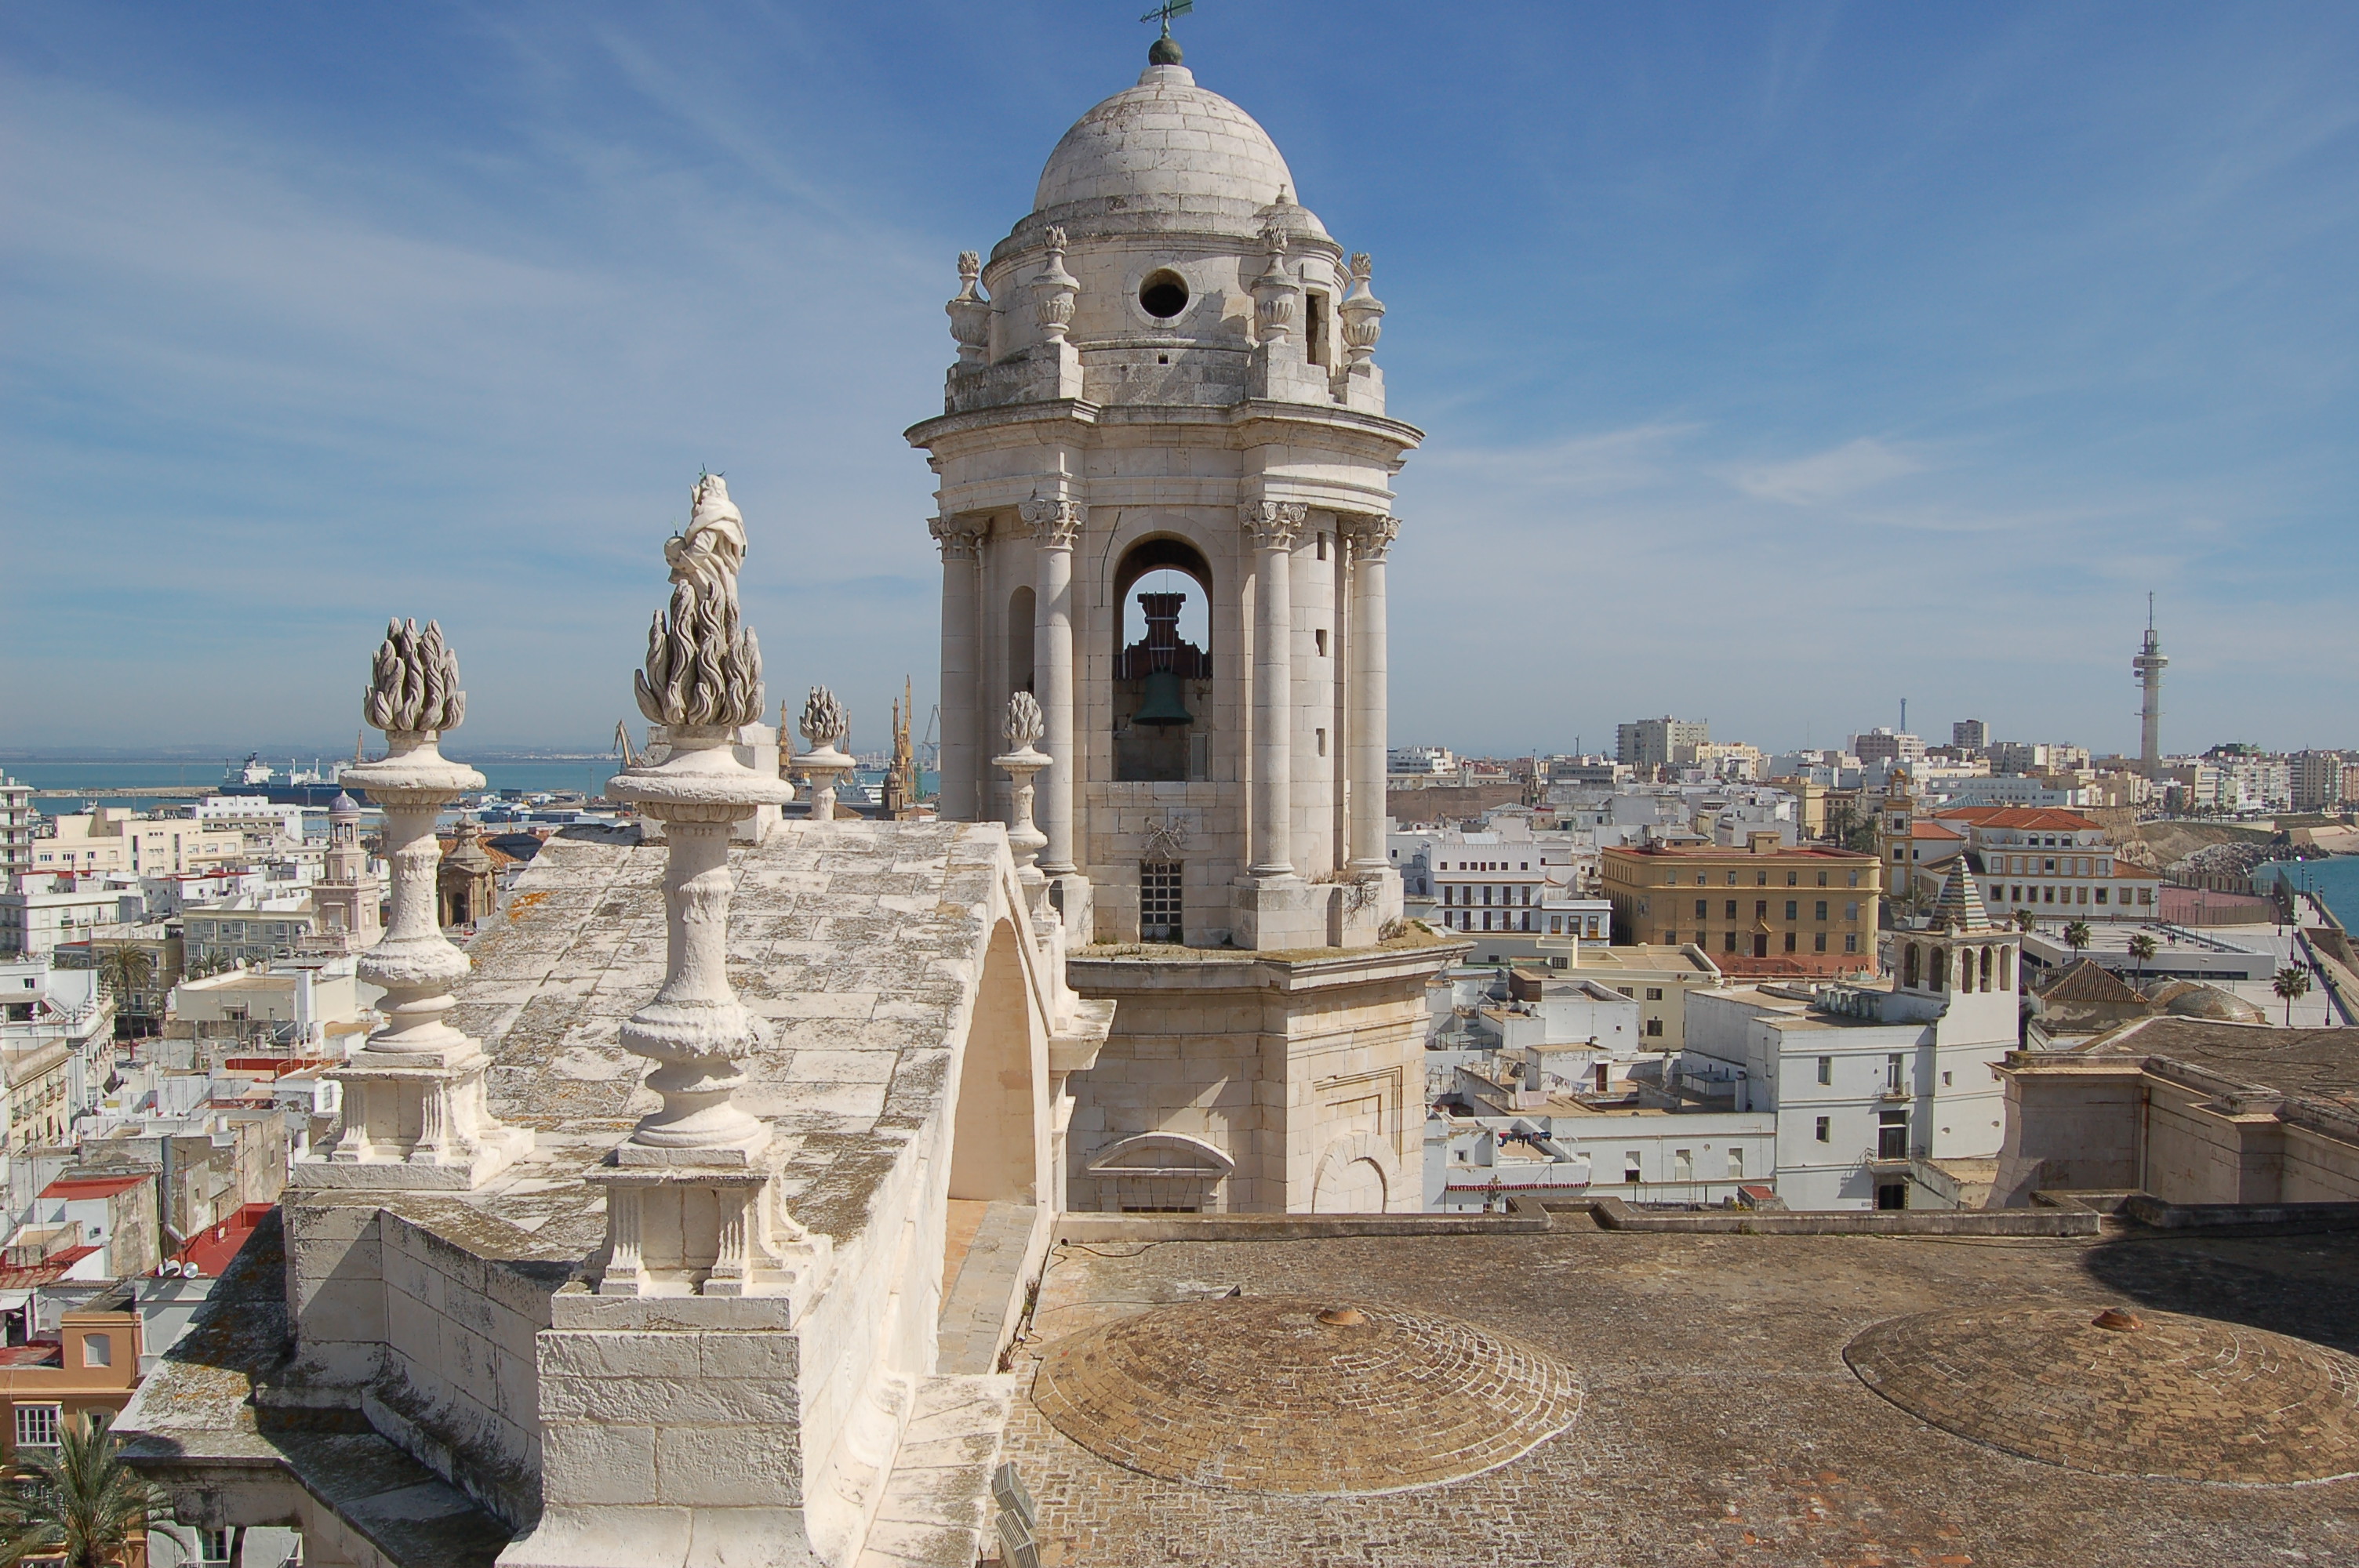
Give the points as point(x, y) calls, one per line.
point(1864, 1082)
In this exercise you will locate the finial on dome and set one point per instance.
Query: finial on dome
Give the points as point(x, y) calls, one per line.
point(1165, 51)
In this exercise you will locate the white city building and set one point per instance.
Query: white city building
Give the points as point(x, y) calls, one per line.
point(1882, 1097)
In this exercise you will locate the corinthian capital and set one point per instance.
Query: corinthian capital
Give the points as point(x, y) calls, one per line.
point(1055, 522)
point(1371, 536)
point(958, 539)
point(1273, 525)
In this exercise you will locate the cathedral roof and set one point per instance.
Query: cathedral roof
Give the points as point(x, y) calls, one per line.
point(1163, 145)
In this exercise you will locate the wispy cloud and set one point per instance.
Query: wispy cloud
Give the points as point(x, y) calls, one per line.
point(1859, 464)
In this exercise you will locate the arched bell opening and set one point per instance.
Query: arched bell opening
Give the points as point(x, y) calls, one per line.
point(1162, 673)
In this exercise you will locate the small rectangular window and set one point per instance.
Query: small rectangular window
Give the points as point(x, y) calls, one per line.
point(1851, 942)
point(1630, 1167)
point(1319, 639)
point(1654, 993)
point(1683, 1164)
point(1826, 1069)
point(1825, 1129)
point(97, 1350)
point(1704, 908)
point(1737, 1164)
point(36, 1426)
point(1732, 909)
point(1322, 740)
point(1793, 909)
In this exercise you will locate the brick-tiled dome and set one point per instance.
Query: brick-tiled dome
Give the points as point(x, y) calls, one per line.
point(1276, 1394)
point(2116, 1394)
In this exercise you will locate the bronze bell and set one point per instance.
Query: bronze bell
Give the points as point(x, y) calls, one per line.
point(1163, 702)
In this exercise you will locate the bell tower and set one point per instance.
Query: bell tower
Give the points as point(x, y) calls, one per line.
point(347, 894)
point(1168, 367)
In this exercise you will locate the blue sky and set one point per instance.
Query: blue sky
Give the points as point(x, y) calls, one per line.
point(1778, 362)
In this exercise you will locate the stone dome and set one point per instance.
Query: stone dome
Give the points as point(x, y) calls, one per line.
point(343, 806)
point(1166, 138)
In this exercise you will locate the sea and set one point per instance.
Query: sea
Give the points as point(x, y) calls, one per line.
point(2335, 879)
point(587, 774)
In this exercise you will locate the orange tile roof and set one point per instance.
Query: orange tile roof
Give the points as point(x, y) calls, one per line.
point(1932, 831)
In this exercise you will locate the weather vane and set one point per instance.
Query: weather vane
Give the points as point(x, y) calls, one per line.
point(1168, 10)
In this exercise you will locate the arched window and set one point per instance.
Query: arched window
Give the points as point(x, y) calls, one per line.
point(1940, 968)
point(1986, 968)
point(2006, 968)
point(1909, 968)
point(1162, 663)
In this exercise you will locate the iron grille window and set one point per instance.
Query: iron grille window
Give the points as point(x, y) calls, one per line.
point(1159, 913)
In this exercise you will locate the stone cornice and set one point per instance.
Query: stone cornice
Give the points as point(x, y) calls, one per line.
point(1260, 419)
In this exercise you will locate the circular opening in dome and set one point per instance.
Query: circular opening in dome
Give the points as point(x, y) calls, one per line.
point(1164, 294)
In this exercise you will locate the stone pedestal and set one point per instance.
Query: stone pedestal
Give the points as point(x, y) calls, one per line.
point(690, 1205)
point(826, 768)
point(1281, 912)
point(414, 1116)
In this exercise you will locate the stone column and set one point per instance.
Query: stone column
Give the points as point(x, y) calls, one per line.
point(1056, 524)
point(1371, 538)
point(1273, 526)
point(962, 665)
point(414, 1115)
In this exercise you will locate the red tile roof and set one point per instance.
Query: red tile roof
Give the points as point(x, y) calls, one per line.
point(2046, 818)
point(213, 1247)
point(1738, 851)
point(91, 1186)
point(1932, 831)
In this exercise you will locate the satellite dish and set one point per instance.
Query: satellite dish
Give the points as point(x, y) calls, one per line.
point(192, 1272)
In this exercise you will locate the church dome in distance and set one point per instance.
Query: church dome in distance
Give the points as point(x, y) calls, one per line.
point(1165, 138)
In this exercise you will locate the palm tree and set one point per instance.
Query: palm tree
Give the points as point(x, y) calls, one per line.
point(2076, 936)
point(127, 971)
point(2026, 921)
point(84, 1506)
point(2142, 950)
point(2292, 983)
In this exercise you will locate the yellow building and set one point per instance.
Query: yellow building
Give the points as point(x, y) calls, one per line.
point(1759, 910)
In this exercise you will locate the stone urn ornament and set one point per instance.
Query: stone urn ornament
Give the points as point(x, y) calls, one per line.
point(688, 1193)
point(1023, 728)
point(414, 1109)
point(825, 726)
